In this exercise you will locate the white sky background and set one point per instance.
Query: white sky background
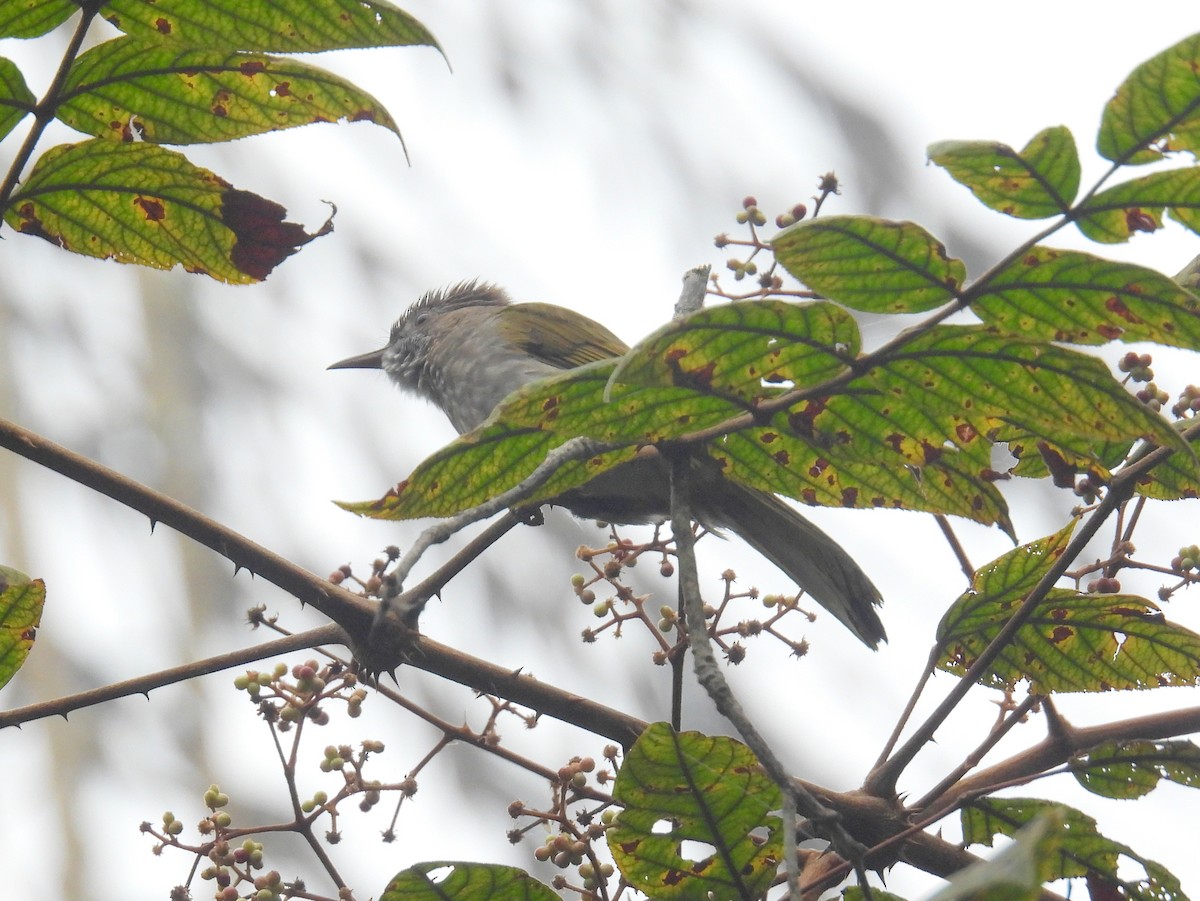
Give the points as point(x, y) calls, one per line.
point(583, 154)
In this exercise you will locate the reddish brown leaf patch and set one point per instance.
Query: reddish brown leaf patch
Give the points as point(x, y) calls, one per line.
point(263, 239)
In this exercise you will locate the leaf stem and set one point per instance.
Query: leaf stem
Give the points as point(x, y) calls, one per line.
point(44, 110)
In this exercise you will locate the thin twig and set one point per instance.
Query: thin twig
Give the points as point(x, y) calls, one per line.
point(973, 759)
point(348, 610)
point(926, 674)
point(709, 675)
point(955, 545)
point(143, 685)
point(402, 606)
point(44, 110)
point(882, 779)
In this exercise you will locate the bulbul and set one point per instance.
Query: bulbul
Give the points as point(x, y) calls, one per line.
point(467, 347)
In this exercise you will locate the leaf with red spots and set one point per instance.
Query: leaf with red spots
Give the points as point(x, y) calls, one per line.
point(1137, 205)
point(16, 100)
point(507, 448)
point(1156, 110)
point(457, 880)
point(685, 787)
point(747, 351)
point(281, 26)
point(1073, 642)
point(1075, 849)
point(1064, 295)
point(1035, 457)
point(831, 476)
point(21, 603)
point(953, 375)
point(1131, 769)
point(170, 93)
point(870, 264)
point(138, 203)
point(1037, 182)
point(32, 18)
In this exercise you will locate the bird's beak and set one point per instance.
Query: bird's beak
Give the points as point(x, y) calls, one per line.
point(371, 360)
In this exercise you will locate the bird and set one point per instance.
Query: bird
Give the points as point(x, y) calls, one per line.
point(466, 347)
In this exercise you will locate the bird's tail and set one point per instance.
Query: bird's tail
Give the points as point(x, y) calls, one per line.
point(812, 559)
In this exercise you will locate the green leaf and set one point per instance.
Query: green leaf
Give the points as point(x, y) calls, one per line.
point(1083, 852)
point(773, 459)
point(1072, 642)
point(1156, 110)
point(955, 381)
point(1038, 182)
point(170, 94)
point(138, 203)
point(282, 26)
point(530, 423)
point(16, 100)
point(1176, 478)
point(21, 603)
point(1037, 459)
point(1132, 769)
point(32, 18)
point(707, 790)
point(1018, 872)
point(454, 880)
point(1063, 295)
point(1137, 205)
point(749, 351)
point(870, 264)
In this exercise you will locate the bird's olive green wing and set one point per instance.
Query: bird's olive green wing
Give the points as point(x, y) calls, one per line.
point(558, 336)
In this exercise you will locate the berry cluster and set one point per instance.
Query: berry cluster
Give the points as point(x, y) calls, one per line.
point(574, 840)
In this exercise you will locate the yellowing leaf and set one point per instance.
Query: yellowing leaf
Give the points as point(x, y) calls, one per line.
point(1037, 182)
point(138, 203)
point(21, 602)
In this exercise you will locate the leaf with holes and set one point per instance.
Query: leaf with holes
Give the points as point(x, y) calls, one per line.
point(748, 352)
point(1036, 182)
point(1083, 852)
point(869, 264)
point(456, 880)
point(1132, 769)
point(1018, 871)
point(683, 789)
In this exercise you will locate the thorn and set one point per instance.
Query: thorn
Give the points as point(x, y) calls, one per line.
point(153, 523)
point(237, 568)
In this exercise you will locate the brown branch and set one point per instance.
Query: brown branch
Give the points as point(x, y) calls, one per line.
point(143, 685)
point(882, 779)
point(44, 110)
point(350, 611)
point(1059, 746)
